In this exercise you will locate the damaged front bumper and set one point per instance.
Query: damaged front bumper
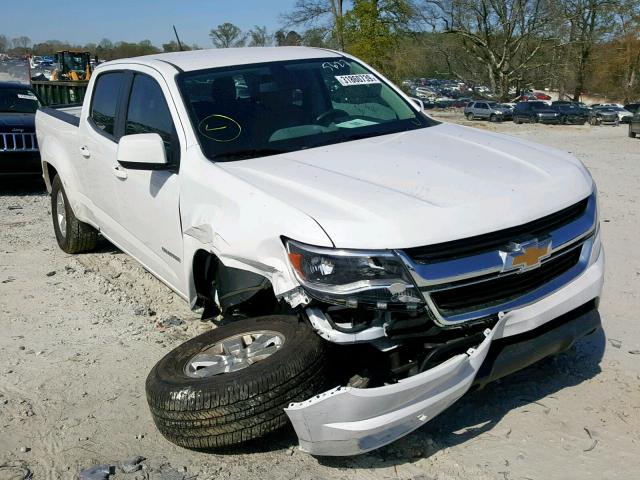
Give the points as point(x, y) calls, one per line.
point(350, 421)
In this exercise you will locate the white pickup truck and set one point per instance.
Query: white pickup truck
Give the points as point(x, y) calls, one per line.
point(370, 264)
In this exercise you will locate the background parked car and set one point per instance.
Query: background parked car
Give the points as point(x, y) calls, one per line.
point(571, 113)
point(623, 115)
point(604, 115)
point(632, 107)
point(634, 124)
point(535, 112)
point(19, 152)
point(491, 111)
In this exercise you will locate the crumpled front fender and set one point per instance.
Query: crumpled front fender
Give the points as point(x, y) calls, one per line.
point(349, 421)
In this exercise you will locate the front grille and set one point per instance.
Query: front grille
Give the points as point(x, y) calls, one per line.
point(18, 142)
point(495, 240)
point(503, 288)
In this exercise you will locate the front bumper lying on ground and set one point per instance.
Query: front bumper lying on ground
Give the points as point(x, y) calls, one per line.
point(350, 421)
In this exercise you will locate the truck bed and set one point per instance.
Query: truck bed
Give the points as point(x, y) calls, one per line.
point(69, 115)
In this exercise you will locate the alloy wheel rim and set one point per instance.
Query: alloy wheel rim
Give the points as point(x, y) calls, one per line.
point(61, 213)
point(234, 353)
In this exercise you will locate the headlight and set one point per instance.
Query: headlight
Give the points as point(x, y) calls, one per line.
point(372, 279)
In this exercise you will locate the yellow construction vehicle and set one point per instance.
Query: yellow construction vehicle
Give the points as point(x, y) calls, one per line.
point(72, 66)
point(68, 81)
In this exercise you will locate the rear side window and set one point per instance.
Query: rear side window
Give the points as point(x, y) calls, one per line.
point(105, 101)
point(148, 111)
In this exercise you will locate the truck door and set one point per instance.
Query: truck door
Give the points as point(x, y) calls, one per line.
point(148, 200)
point(98, 148)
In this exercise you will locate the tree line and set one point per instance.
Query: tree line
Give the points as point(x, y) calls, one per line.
point(572, 46)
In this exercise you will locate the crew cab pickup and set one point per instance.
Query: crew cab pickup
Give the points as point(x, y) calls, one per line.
point(371, 264)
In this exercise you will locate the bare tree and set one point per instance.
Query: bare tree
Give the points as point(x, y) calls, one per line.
point(4, 43)
point(292, 38)
point(228, 35)
point(326, 14)
point(587, 21)
point(504, 35)
point(22, 43)
point(259, 37)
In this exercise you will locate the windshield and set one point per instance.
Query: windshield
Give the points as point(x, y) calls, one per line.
point(264, 109)
point(18, 100)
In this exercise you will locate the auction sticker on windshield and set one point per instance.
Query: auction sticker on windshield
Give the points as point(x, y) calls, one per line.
point(355, 123)
point(28, 96)
point(357, 79)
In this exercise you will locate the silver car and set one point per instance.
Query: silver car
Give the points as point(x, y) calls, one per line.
point(492, 111)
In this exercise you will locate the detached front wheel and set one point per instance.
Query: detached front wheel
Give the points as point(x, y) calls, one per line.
point(231, 384)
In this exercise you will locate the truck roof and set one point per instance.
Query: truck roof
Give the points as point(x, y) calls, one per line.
point(223, 57)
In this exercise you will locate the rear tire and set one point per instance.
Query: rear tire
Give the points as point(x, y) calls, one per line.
point(73, 236)
point(632, 134)
point(470, 116)
point(233, 407)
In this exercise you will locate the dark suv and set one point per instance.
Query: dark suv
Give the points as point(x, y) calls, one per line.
point(571, 113)
point(19, 152)
point(535, 112)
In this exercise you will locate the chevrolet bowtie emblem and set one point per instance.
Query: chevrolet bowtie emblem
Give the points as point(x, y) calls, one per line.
point(526, 255)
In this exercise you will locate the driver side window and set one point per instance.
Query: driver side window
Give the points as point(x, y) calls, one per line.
point(148, 112)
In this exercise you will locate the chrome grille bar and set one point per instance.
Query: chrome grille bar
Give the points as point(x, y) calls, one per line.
point(454, 272)
point(18, 142)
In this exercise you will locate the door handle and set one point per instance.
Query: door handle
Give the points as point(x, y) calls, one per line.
point(120, 172)
point(85, 152)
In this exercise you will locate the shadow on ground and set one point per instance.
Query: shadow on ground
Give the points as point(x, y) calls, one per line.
point(476, 413)
point(22, 186)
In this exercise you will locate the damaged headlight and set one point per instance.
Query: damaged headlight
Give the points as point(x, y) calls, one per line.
point(373, 279)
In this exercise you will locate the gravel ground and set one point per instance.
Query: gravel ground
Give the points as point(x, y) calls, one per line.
point(80, 333)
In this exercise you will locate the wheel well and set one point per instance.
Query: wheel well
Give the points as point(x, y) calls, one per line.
point(231, 288)
point(50, 174)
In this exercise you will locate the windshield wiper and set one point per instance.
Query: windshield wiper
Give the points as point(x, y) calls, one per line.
point(249, 153)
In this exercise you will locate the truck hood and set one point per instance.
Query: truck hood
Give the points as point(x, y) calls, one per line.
point(17, 122)
point(420, 187)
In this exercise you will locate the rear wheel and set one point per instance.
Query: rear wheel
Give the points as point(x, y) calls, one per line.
point(231, 384)
point(73, 236)
point(632, 134)
point(470, 116)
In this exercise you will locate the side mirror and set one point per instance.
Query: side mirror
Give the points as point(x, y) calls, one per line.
point(418, 102)
point(142, 151)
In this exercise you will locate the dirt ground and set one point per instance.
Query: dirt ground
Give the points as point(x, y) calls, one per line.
point(78, 335)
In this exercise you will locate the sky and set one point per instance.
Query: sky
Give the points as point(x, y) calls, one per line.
point(84, 21)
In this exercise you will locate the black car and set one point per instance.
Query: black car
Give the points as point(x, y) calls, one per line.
point(19, 152)
point(632, 107)
point(604, 115)
point(571, 113)
point(535, 112)
point(634, 125)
